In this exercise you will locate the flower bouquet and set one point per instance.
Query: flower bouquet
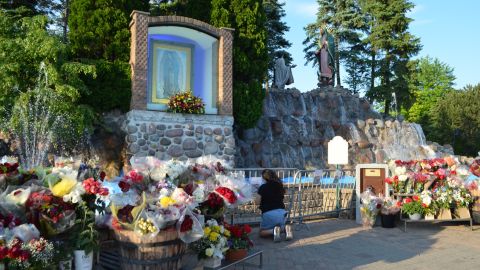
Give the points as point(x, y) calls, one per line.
point(212, 246)
point(186, 102)
point(35, 254)
point(370, 206)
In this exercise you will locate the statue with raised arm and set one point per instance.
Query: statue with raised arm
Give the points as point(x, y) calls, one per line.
point(282, 74)
point(325, 57)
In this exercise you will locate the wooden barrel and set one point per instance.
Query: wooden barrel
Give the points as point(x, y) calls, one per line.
point(162, 252)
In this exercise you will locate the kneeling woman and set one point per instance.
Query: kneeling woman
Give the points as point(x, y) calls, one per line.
point(273, 209)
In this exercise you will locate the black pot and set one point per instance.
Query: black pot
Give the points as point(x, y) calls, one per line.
point(388, 221)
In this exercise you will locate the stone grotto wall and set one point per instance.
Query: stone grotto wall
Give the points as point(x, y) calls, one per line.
point(179, 136)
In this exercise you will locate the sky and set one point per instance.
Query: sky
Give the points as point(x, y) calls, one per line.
point(448, 30)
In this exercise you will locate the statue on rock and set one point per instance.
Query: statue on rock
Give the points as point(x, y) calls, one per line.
point(282, 74)
point(326, 59)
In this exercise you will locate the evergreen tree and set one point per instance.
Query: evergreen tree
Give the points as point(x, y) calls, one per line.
point(389, 38)
point(99, 34)
point(277, 45)
point(342, 18)
point(99, 28)
point(250, 58)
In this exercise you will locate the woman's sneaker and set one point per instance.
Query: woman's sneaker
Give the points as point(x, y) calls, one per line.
point(288, 232)
point(276, 234)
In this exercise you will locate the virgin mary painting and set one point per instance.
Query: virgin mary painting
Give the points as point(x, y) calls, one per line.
point(171, 72)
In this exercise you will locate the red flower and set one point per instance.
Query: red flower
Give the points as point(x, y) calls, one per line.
point(134, 176)
point(399, 204)
point(25, 255)
point(124, 186)
point(102, 175)
point(388, 181)
point(14, 252)
point(379, 205)
point(247, 228)
point(187, 224)
point(3, 252)
point(415, 198)
point(407, 200)
point(92, 186)
point(227, 194)
point(424, 205)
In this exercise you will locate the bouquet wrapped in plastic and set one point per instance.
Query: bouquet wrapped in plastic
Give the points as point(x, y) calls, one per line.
point(370, 206)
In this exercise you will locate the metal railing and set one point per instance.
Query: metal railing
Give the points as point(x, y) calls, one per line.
point(309, 193)
point(250, 212)
point(323, 192)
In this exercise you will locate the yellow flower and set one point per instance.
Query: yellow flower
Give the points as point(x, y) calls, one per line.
point(209, 252)
point(63, 187)
point(207, 230)
point(213, 236)
point(166, 202)
point(226, 233)
point(216, 228)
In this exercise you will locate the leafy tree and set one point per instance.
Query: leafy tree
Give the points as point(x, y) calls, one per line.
point(389, 37)
point(431, 81)
point(25, 47)
point(456, 119)
point(342, 18)
point(250, 56)
point(277, 45)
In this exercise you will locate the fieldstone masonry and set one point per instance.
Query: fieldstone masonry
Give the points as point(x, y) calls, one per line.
point(179, 136)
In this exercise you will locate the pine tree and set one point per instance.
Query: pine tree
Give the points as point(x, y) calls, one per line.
point(342, 18)
point(277, 45)
point(390, 39)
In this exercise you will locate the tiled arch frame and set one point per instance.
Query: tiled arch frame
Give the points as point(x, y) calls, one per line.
point(139, 56)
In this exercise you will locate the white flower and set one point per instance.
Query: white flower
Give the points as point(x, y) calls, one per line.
point(426, 199)
point(403, 177)
point(75, 195)
point(209, 252)
point(199, 194)
point(8, 159)
point(400, 170)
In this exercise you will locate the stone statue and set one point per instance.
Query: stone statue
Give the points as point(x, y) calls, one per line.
point(325, 57)
point(282, 74)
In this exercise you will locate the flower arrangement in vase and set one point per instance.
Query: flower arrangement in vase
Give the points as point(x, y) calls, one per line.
point(213, 245)
point(413, 207)
point(370, 206)
point(186, 102)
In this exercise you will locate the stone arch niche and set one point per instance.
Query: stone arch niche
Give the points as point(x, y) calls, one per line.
point(170, 54)
point(204, 51)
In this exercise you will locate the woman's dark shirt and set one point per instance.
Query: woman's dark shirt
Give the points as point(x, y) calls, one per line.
point(272, 196)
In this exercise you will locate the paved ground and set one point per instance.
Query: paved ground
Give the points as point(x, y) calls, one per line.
point(342, 244)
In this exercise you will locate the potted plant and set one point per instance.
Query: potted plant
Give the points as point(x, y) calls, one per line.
point(389, 210)
point(186, 102)
point(413, 207)
point(238, 242)
point(212, 246)
point(86, 235)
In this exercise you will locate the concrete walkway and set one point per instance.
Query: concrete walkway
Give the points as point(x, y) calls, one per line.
point(342, 244)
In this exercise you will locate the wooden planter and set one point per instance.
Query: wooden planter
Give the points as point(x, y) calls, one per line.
point(444, 214)
point(163, 252)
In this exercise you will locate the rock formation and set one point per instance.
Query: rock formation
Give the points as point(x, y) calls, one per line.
point(296, 127)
